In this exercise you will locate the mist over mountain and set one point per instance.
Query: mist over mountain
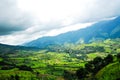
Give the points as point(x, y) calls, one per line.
point(98, 31)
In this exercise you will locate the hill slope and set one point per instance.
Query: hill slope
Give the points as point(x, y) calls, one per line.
point(99, 31)
point(110, 72)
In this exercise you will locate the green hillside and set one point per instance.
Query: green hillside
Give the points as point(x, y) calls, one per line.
point(61, 62)
point(110, 72)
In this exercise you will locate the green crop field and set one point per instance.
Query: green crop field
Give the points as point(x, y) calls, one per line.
point(58, 63)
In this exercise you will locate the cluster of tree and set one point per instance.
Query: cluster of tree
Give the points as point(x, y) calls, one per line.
point(7, 66)
point(69, 75)
point(10, 77)
point(118, 57)
point(24, 67)
point(86, 49)
point(92, 67)
point(16, 77)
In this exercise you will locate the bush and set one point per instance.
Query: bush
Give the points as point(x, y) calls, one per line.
point(24, 67)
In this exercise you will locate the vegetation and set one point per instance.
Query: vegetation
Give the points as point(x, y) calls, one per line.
point(93, 61)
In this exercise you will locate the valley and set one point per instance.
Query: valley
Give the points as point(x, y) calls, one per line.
point(61, 62)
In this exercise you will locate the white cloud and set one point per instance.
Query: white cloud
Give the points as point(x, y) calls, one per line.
point(78, 10)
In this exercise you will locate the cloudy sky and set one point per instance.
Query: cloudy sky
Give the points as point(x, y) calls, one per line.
point(25, 20)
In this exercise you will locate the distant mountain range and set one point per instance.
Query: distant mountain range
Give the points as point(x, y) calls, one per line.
point(98, 31)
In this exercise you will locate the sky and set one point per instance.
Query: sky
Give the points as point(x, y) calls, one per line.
point(25, 20)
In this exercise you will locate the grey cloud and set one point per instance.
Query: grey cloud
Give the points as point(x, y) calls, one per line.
point(11, 19)
point(6, 28)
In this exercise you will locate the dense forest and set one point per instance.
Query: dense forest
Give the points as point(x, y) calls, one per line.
point(98, 60)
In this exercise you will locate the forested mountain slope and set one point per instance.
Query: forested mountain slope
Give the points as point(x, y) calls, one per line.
point(98, 31)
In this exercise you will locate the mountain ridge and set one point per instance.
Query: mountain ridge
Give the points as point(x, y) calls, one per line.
point(98, 31)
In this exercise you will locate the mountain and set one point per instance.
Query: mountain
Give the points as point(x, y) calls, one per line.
point(4, 48)
point(98, 31)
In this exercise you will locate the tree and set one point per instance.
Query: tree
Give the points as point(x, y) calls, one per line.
point(69, 75)
point(97, 64)
point(109, 59)
point(24, 67)
point(118, 57)
point(89, 67)
point(16, 77)
point(81, 73)
point(97, 60)
point(11, 77)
